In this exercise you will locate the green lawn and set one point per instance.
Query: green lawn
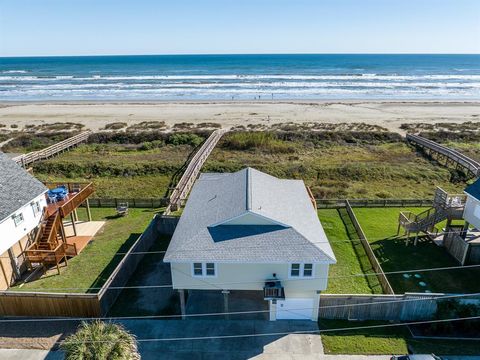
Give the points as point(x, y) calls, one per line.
point(351, 259)
point(380, 227)
point(387, 340)
point(95, 263)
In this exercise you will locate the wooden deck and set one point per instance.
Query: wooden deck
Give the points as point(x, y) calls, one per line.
point(78, 193)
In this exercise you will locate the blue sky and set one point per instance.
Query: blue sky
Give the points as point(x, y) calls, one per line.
point(88, 27)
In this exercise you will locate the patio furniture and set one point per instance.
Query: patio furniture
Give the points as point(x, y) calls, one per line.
point(122, 209)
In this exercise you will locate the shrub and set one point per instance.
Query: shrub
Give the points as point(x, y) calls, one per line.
point(115, 126)
point(100, 340)
point(185, 139)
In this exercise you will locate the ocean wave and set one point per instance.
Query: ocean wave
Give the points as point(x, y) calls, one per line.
point(246, 77)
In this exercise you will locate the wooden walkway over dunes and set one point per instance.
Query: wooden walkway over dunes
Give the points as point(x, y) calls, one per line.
point(183, 187)
point(31, 157)
point(449, 156)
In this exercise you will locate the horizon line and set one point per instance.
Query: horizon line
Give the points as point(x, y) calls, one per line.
point(234, 54)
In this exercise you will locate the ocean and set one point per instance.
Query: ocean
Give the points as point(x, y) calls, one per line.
point(241, 77)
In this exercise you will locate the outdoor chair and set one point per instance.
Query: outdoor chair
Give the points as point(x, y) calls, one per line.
point(122, 209)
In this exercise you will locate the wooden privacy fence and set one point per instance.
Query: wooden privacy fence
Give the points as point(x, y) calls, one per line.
point(31, 157)
point(321, 203)
point(110, 291)
point(386, 287)
point(20, 303)
point(340, 203)
point(406, 307)
point(133, 203)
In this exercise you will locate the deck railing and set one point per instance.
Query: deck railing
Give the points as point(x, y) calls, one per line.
point(76, 200)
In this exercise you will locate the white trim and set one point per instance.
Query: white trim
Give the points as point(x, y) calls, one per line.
point(250, 212)
point(204, 269)
point(16, 215)
point(325, 262)
point(301, 271)
point(20, 207)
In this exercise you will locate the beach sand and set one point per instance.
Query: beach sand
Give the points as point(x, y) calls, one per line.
point(95, 115)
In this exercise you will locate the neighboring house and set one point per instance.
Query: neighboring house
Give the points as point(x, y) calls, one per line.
point(251, 231)
point(468, 250)
point(22, 200)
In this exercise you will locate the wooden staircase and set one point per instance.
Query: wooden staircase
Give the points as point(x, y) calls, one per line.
point(445, 207)
point(50, 246)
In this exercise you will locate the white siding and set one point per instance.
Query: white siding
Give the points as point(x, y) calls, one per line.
point(250, 277)
point(11, 234)
point(472, 211)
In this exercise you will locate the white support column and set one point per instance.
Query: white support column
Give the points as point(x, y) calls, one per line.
point(225, 303)
point(316, 305)
point(181, 293)
point(273, 310)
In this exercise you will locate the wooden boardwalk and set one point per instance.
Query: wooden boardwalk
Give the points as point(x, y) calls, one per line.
point(31, 157)
point(450, 156)
point(185, 184)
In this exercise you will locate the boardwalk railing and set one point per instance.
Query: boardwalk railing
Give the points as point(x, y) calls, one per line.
point(193, 169)
point(386, 287)
point(470, 165)
point(29, 158)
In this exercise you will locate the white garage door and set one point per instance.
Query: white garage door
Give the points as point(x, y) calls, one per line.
point(294, 309)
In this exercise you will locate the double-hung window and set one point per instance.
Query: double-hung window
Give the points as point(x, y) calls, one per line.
point(18, 219)
point(204, 269)
point(301, 270)
point(36, 208)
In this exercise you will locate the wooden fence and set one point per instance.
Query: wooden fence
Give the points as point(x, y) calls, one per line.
point(321, 203)
point(133, 203)
point(31, 157)
point(405, 307)
point(20, 303)
point(110, 291)
point(340, 203)
point(386, 287)
point(409, 306)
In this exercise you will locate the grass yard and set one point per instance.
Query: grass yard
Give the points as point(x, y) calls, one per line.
point(91, 268)
point(380, 227)
point(388, 340)
point(351, 259)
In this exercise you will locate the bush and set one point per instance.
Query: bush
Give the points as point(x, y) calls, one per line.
point(100, 340)
point(115, 126)
point(185, 139)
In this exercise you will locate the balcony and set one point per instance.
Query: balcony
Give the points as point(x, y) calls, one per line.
point(273, 290)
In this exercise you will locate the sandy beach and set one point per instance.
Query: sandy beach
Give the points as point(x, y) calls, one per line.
point(95, 115)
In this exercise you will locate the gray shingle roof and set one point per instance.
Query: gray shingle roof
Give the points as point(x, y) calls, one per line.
point(17, 187)
point(211, 227)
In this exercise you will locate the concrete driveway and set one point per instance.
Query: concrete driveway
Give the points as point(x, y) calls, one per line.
point(227, 348)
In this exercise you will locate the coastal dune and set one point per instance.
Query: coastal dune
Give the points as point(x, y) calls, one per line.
point(95, 115)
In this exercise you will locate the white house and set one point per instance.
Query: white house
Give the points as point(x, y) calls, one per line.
point(251, 231)
point(22, 199)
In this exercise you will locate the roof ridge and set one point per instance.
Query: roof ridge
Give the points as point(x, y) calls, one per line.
point(249, 190)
